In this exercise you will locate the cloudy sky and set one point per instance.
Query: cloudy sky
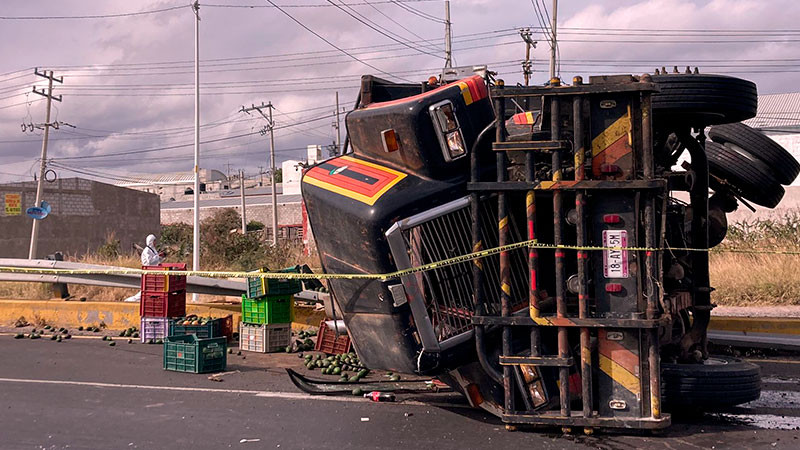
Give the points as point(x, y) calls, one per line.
point(128, 77)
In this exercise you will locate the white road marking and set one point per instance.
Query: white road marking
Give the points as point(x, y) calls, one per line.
point(263, 394)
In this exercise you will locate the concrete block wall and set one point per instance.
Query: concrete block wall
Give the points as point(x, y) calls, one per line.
point(84, 213)
point(288, 214)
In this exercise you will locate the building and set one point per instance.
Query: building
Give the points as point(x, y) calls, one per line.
point(85, 213)
point(176, 185)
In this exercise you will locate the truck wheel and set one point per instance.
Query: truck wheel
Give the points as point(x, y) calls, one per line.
point(782, 163)
point(718, 382)
point(744, 172)
point(702, 100)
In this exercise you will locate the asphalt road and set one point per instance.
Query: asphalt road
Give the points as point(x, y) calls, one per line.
point(83, 394)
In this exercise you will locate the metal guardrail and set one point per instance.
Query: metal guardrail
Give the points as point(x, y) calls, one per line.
point(775, 341)
point(194, 284)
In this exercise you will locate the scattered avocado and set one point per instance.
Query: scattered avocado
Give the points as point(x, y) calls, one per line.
point(230, 351)
point(121, 333)
point(35, 336)
point(19, 335)
point(288, 349)
point(53, 337)
point(358, 392)
point(394, 378)
point(80, 328)
point(67, 336)
point(112, 343)
point(130, 341)
point(58, 339)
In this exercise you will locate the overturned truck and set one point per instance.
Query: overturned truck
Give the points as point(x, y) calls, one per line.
point(594, 312)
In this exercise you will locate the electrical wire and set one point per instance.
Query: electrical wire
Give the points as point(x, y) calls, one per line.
point(418, 13)
point(407, 30)
point(381, 30)
point(331, 43)
point(98, 16)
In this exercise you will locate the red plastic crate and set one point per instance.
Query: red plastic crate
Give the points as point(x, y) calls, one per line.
point(163, 304)
point(328, 342)
point(164, 283)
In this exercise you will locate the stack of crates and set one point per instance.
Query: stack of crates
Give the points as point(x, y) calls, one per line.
point(163, 297)
point(267, 313)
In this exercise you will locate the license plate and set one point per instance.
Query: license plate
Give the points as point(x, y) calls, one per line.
point(615, 262)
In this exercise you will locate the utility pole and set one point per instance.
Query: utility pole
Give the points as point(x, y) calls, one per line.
point(244, 211)
point(338, 124)
point(527, 65)
point(270, 127)
point(196, 218)
point(554, 41)
point(448, 49)
point(43, 162)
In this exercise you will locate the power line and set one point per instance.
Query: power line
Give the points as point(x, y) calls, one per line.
point(383, 31)
point(391, 19)
point(417, 12)
point(317, 5)
point(176, 146)
point(331, 43)
point(98, 16)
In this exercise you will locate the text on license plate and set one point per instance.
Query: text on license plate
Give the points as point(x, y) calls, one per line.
point(615, 262)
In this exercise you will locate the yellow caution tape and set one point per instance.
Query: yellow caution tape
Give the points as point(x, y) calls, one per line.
point(385, 276)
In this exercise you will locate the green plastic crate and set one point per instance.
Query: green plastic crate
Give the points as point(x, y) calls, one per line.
point(263, 287)
point(268, 310)
point(188, 353)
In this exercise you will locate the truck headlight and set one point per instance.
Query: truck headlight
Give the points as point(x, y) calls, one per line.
point(448, 131)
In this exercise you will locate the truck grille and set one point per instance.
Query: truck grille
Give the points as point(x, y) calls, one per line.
point(448, 290)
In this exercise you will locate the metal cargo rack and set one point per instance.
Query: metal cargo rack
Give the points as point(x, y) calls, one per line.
point(595, 147)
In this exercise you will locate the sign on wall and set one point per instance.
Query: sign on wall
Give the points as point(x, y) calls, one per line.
point(13, 204)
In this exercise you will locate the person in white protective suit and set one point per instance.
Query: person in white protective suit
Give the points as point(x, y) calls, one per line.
point(150, 257)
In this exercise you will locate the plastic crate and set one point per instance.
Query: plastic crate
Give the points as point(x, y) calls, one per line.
point(212, 328)
point(153, 328)
point(164, 283)
point(188, 353)
point(268, 310)
point(163, 304)
point(262, 287)
point(328, 342)
point(264, 338)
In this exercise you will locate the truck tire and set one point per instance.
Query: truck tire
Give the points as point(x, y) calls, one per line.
point(719, 382)
point(700, 100)
point(782, 163)
point(749, 175)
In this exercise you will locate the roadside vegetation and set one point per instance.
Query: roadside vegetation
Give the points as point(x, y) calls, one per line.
point(739, 279)
point(223, 247)
point(745, 279)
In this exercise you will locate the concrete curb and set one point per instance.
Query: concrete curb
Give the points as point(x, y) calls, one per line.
point(120, 315)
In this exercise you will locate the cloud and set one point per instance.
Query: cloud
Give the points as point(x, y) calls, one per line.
point(250, 55)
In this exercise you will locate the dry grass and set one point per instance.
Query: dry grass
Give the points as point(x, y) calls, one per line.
point(758, 279)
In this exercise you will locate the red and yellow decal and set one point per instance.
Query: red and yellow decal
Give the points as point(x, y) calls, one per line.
point(360, 180)
point(619, 363)
point(525, 118)
point(472, 90)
